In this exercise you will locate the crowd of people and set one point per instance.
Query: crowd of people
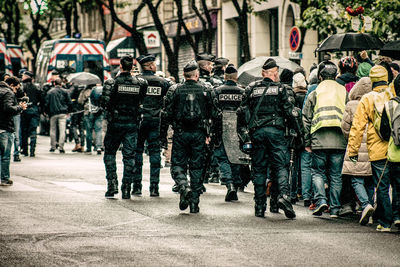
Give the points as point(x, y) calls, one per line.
point(331, 140)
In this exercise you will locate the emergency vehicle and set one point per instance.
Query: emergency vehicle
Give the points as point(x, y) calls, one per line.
point(69, 56)
point(16, 56)
point(5, 63)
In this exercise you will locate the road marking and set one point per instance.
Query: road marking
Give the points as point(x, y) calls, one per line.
point(79, 186)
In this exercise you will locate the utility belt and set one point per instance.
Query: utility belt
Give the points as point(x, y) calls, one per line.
point(268, 120)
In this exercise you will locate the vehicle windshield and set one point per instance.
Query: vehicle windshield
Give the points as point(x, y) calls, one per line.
point(2, 64)
point(66, 63)
point(16, 65)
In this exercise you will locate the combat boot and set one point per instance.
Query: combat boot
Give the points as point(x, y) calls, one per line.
point(285, 205)
point(194, 207)
point(137, 189)
point(231, 194)
point(260, 208)
point(112, 188)
point(126, 190)
point(273, 205)
point(154, 190)
point(186, 195)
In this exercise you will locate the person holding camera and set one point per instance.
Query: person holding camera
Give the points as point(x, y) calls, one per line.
point(9, 108)
point(267, 103)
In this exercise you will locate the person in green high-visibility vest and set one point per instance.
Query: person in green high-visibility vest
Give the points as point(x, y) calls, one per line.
point(322, 116)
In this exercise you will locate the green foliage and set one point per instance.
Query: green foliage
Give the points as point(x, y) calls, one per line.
point(328, 17)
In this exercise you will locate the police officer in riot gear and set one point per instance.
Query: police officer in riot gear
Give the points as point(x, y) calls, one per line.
point(267, 103)
point(205, 62)
point(188, 109)
point(219, 68)
point(121, 100)
point(229, 97)
point(149, 129)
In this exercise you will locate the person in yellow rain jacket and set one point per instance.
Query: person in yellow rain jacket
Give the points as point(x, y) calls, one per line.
point(377, 147)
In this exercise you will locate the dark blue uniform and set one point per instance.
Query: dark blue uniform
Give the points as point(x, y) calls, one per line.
point(122, 100)
point(267, 135)
point(229, 97)
point(189, 107)
point(150, 131)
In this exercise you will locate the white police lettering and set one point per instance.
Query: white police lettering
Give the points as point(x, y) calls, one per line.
point(230, 97)
point(258, 91)
point(128, 89)
point(153, 90)
point(272, 90)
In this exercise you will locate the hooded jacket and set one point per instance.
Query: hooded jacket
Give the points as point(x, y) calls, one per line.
point(363, 166)
point(364, 117)
point(8, 107)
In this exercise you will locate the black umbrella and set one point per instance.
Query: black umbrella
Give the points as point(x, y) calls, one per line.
point(350, 41)
point(83, 78)
point(391, 49)
point(251, 70)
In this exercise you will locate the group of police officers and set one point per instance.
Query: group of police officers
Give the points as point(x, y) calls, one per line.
point(141, 108)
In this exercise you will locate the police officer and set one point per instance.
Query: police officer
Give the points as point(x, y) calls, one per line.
point(219, 68)
point(205, 62)
point(188, 110)
point(30, 118)
point(121, 99)
point(149, 129)
point(229, 97)
point(267, 103)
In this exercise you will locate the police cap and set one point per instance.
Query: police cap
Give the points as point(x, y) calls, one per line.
point(145, 58)
point(269, 64)
point(230, 69)
point(190, 66)
point(205, 56)
point(221, 61)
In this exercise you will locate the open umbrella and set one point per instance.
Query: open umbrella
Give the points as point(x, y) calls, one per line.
point(391, 49)
point(251, 70)
point(83, 78)
point(350, 41)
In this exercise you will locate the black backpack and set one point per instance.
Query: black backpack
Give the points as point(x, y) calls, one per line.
point(191, 110)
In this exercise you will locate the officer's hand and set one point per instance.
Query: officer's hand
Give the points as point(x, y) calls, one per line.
point(308, 149)
point(354, 159)
point(208, 140)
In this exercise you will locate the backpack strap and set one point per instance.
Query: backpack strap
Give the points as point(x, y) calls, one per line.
point(254, 115)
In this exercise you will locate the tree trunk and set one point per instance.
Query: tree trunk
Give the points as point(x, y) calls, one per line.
point(243, 31)
point(76, 16)
point(210, 32)
point(17, 17)
point(67, 11)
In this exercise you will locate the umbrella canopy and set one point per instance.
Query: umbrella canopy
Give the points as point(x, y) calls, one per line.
point(391, 49)
point(350, 41)
point(251, 70)
point(83, 78)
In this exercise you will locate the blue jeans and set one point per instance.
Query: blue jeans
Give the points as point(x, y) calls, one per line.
point(306, 179)
point(383, 211)
point(230, 172)
point(93, 122)
point(327, 166)
point(17, 133)
point(364, 188)
point(6, 140)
